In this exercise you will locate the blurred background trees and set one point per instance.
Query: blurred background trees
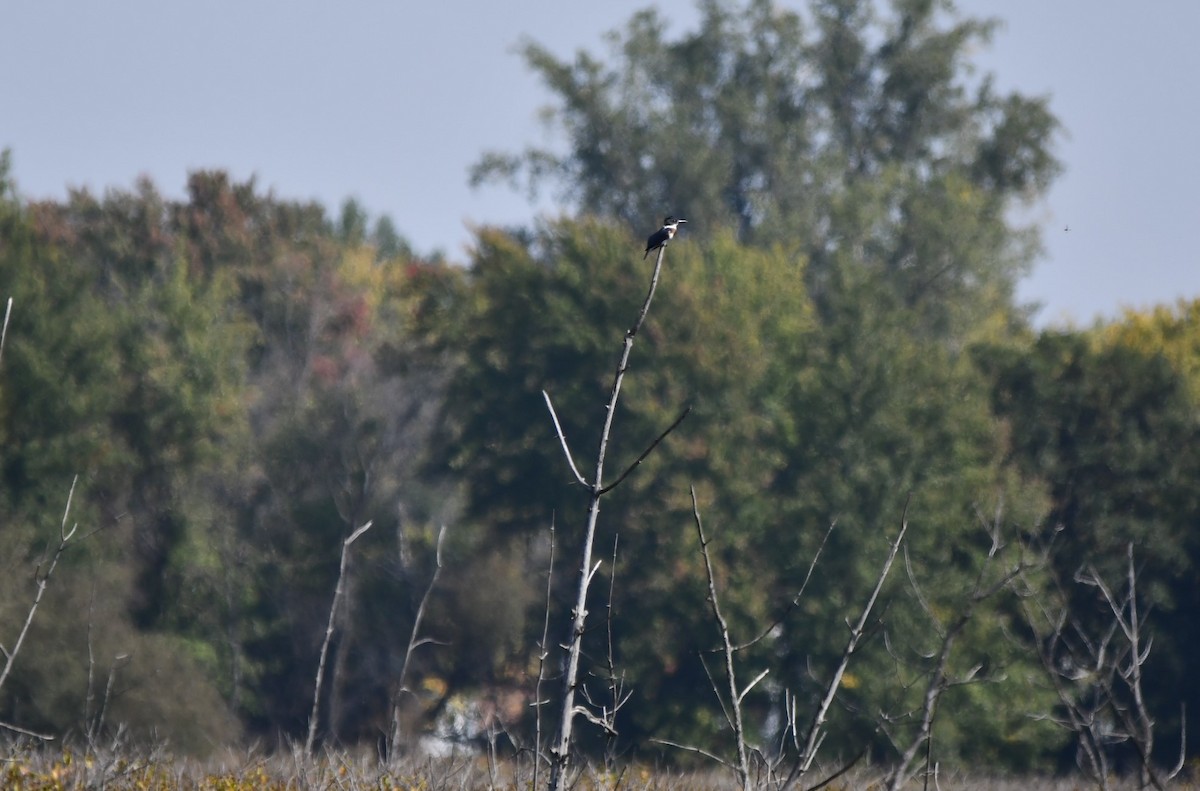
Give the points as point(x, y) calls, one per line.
point(241, 380)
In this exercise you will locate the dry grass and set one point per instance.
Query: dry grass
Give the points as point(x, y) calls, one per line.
point(27, 768)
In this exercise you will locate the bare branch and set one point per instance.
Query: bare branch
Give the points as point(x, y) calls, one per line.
point(562, 438)
point(4, 329)
point(808, 754)
point(752, 685)
point(1182, 743)
point(646, 452)
point(414, 643)
point(541, 676)
point(42, 579)
point(689, 748)
point(333, 608)
point(23, 731)
point(560, 751)
point(735, 697)
point(795, 599)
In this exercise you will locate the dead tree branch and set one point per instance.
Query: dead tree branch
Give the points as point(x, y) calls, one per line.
point(42, 579)
point(543, 652)
point(815, 735)
point(333, 609)
point(939, 679)
point(734, 710)
point(4, 329)
point(560, 750)
point(562, 438)
point(414, 643)
point(1097, 675)
point(795, 602)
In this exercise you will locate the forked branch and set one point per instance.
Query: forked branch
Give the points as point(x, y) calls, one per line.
point(560, 750)
point(42, 579)
point(816, 726)
point(414, 642)
point(734, 709)
point(333, 609)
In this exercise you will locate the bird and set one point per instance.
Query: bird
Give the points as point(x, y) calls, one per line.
point(663, 235)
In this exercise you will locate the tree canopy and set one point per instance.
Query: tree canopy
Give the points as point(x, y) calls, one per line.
point(862, 136)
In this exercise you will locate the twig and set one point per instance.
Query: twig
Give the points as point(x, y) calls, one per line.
point(735, 697)
point(649, 449)
point(808, 754)
point(333, 608)
point(64, 538)
point(795, 599)
point(1182, 743)
point(4, 329)
point(542, 653)
point(414, 642)
point(849, 765)
point(689, 748)
point(562, 438)
point(616, 687)
point(26, 732)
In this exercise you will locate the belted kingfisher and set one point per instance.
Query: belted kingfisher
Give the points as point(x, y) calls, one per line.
point(663, 235)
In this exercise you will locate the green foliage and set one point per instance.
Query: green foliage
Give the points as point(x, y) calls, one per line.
point(237, 384)
point(794, 423)
point(860, 136)
point(874, 176)
point(1108, 419)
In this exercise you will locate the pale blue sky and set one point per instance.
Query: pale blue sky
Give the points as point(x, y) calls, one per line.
point(390, 102)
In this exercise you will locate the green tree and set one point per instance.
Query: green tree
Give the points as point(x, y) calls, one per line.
point(117, 367)
point(860, 134)
point(1110, 424)
point(876, 176)
point(794, 423)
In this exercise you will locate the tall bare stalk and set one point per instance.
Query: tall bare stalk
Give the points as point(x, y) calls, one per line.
point(543, 652)
point(43, 578)
point(733, 712)
point(414, 642)
point(816, 728)
point(4, 328)
point(560, 749)
point(333, 609)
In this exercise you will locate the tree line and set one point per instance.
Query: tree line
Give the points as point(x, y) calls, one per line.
point(240, 381)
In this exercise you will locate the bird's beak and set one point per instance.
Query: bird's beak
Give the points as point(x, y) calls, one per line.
point(681, 221)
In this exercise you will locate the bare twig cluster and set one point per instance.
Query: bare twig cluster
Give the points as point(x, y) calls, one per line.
point(42, 579)
point(414, 642)
point(786, 764)
point(1097, 674)
point(939, 679)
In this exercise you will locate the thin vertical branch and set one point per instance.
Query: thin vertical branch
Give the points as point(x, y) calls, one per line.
point(543, 652)
point(808, 754)
point(64, 538)
point(414, 642)
point(735, 697)
point(560, 751)
point(333, 609)
point(4, 329)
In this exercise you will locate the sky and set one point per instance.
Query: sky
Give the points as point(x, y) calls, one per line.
point(391, 102)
